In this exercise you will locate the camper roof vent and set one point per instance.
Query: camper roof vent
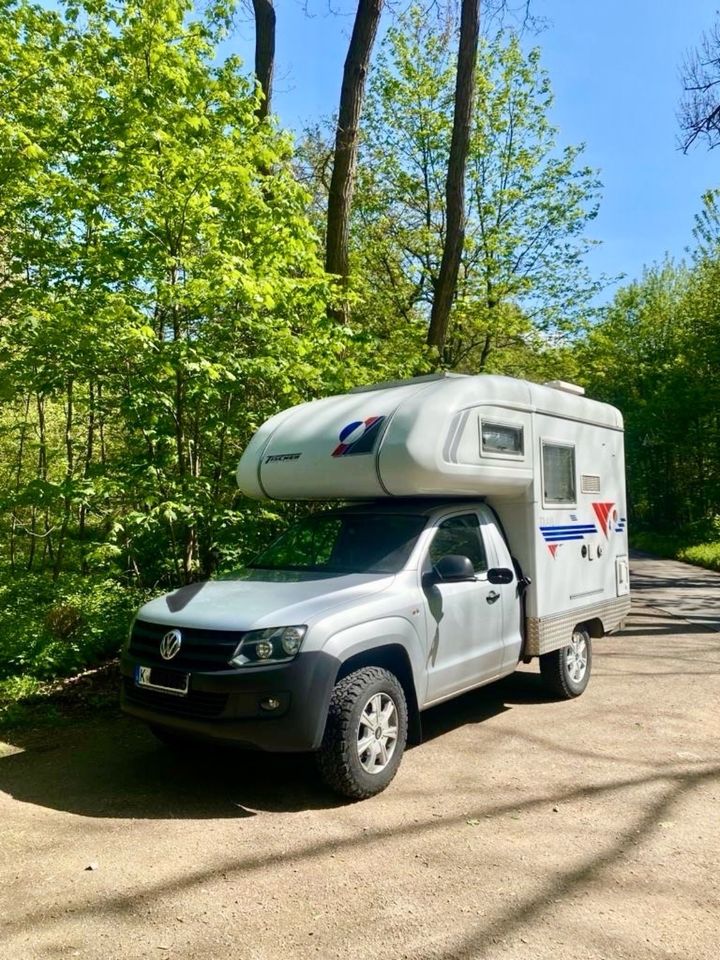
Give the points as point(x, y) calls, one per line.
point(565, 387)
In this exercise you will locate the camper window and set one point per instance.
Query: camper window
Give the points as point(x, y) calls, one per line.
point(558, 462)
point(501, 438)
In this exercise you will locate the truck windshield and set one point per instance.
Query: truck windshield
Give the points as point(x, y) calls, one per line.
point(344, 543)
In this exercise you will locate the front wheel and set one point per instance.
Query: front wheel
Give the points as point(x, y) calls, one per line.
point(365, 734)
point(566, 672)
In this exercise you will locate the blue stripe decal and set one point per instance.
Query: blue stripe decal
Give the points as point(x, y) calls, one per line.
point(552, 538)
point(575, 528)
point(568, 526)
point(563, 532)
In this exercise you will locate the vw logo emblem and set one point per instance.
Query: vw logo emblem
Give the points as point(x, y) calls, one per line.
point(170, 644)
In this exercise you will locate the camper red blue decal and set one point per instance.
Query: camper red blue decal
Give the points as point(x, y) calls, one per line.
point(359, 436)
point(608, 518)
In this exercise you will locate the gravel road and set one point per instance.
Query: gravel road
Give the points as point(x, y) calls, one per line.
point(519, 830)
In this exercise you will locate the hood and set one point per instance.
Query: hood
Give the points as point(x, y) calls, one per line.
point(256, 599)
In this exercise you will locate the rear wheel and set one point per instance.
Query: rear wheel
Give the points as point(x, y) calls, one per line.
point(566, 672)
point(365, 734)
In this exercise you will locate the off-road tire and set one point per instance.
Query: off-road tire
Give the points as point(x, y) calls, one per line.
point(338, 760)
point(556, 670)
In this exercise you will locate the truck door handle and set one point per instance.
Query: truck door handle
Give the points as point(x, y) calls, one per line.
point(492, 596)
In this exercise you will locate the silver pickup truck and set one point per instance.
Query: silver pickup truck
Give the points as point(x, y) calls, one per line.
point(339, 635)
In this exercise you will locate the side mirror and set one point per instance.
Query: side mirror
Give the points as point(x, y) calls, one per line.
point(500, 575)
point(454, 568)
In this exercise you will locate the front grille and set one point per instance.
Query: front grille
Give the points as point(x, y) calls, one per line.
point(196, 703)
point(201, 649)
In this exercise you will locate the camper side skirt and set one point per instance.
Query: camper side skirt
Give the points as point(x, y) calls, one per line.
point(550, 633)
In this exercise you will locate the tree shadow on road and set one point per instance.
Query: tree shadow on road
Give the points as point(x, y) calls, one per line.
point(671, 786)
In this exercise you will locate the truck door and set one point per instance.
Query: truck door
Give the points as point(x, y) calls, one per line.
point(465, 641)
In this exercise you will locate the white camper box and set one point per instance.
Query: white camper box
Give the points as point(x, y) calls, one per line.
point(548, 460)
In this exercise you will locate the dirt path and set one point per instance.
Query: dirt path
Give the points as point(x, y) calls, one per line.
point(519, 829)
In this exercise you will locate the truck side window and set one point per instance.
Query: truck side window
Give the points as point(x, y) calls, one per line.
point(558, 463)
point(459, 535)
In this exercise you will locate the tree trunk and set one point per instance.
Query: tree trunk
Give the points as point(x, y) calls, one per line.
point(89, 449)
point(346, 137)
point(18, 479)
point(455, 184)
point(69, 471)
point(264, 51)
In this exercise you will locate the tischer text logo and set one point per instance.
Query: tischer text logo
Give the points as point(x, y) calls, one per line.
point(281, 457)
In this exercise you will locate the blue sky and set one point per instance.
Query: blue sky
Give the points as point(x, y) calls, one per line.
point(615, 70)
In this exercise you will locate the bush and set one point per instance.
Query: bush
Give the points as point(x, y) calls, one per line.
point(683, 545)
point(55, 628)
point(702, 554)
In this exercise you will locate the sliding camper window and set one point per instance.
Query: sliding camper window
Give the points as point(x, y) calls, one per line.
point(558, 467)
point(501, 439)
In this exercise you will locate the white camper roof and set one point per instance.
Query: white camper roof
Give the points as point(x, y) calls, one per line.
point(431, 436)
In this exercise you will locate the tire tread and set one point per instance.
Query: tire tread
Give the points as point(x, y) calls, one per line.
point(554, 674)
point(334, 756)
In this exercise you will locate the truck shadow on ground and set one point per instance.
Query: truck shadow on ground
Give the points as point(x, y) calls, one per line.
point(114, 768)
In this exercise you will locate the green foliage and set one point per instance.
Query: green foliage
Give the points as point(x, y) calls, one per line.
point(697, 544)
point(22, 706)
point(702, 554)
point(656, 356)
point(162, 290)
point(56, 627)
point(523, 285)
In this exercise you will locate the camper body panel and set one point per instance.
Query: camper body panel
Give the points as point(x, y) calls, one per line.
point(416, 439)
point(568, 529)
point(575, 525)
point(579, 531)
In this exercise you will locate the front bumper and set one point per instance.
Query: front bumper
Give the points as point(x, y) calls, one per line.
point(225, 704)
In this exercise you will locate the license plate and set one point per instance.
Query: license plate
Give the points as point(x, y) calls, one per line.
point(157, 678)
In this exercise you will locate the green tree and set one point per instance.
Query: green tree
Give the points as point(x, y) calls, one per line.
point(656, 356)
point(522, 269)
point(162, 289)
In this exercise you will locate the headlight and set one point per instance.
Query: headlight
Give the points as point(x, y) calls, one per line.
point(274, 645)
